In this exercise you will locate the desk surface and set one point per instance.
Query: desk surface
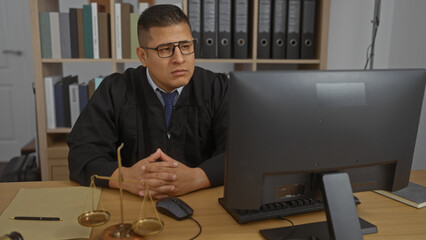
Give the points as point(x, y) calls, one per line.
point(394, 220)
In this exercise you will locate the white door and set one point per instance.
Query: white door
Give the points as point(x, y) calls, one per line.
point(17, 104)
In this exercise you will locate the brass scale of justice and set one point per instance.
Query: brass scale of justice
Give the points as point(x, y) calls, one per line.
point(144, 226)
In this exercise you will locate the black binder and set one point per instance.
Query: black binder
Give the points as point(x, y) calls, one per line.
point(224, 34)
point(194, 16)
point(293, 29)
point(240, 28)
point(209, 35)
point(307, 41)
point(73, 32)
point(279, 26)
point(264, 30)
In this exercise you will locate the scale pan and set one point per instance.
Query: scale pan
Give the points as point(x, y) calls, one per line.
point(94, 218)
point(147, 226)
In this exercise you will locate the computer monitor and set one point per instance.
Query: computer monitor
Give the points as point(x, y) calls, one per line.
point(289, 129)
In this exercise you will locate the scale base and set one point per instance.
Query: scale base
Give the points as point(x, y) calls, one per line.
point(120, 231)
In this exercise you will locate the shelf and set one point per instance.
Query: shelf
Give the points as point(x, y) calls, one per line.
point(110, 60)
point(128, 60)
point(201, 60)
point(289, 61)
point(58, 130)
point(62, 60)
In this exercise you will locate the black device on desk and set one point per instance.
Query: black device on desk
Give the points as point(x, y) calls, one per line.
point(320, 135)
point(178, 209)
point(277, 209)
point(174, 207)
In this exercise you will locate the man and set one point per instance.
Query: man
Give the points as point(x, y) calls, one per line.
point(173, 152)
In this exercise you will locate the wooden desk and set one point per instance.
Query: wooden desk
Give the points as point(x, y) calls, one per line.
point(393, 219)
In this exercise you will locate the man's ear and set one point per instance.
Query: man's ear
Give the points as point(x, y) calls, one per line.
point(141, 55)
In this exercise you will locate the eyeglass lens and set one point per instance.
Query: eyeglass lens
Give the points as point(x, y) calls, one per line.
point(168, 49)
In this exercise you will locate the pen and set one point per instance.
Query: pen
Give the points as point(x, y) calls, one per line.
point(37, 218)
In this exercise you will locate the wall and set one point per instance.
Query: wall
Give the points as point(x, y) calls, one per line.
point(350, 33)
point(400, 43)
point(407, 50)
point(17, 105)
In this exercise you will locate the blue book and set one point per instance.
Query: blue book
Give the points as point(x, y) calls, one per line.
point(83, 92)
point(98, 81)
point(59, 104)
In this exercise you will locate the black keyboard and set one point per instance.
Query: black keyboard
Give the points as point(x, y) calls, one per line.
point(276, 210)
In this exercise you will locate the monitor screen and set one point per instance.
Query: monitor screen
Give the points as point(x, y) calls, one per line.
point(286, 128)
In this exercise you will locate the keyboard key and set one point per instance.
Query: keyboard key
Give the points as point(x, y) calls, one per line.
point(293, 203)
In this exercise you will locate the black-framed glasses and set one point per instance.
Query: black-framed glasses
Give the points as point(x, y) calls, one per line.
point(166, 50)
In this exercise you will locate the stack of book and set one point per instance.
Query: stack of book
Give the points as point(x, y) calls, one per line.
point(66, 98)
point(126, 22)
point(86, 32)
point(79, 33)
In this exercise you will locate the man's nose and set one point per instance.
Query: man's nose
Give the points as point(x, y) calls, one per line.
point(178, 56)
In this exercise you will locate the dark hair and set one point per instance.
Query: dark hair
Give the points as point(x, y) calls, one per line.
point(161, 15)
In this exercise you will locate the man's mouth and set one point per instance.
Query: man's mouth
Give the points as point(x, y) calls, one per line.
point(179, 72)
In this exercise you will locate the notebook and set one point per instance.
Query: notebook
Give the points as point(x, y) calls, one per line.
point(413, 195)
point(64, 202)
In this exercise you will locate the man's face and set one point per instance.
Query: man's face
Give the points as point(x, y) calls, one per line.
point(175, 71)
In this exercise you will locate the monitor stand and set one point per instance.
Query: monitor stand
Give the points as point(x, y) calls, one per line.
point(342, 218)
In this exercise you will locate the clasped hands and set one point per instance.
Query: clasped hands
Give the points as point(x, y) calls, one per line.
point(166, 177)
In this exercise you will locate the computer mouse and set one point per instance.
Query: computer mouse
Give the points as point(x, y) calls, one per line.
point(174, 207)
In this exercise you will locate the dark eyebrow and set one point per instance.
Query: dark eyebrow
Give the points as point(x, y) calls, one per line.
point(174, 42)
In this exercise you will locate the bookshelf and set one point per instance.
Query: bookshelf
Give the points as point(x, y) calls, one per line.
point(52, 148)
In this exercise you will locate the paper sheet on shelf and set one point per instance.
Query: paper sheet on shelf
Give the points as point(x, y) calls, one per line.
point(64, 202)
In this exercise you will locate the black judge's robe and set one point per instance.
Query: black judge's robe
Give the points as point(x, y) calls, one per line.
point(126, 109)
